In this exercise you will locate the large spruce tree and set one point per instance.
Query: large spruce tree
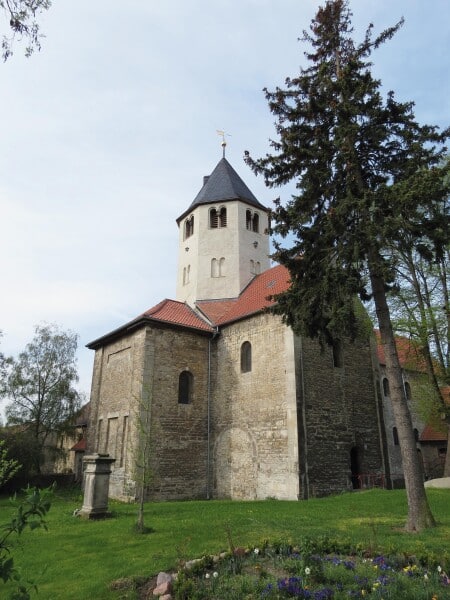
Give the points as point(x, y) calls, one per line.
point(366, 173)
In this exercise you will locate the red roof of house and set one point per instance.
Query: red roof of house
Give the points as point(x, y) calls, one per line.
point(408, 353)
point(432, 435)
point(80, 446)
point(446, 394)
point(254, 298)
point(177, 313)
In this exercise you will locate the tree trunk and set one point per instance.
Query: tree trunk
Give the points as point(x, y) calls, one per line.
point(140, 526)
point(447, 456)
point(419, 513)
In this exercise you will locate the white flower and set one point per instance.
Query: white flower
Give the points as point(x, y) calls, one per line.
point(307, 571)
point(439, 569)
point(207, 575)
point(215, 574)
point(256, 550)
point(425, 576)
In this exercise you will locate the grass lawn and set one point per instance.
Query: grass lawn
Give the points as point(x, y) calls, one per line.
point(77, 560)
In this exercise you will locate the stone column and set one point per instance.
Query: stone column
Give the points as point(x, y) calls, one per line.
point(97, 469)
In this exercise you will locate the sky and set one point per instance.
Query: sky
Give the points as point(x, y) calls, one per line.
point(106, 134)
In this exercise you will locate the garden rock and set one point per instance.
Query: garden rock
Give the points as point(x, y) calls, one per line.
point(163, 586)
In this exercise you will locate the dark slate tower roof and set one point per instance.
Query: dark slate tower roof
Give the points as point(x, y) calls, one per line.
point(222, 185)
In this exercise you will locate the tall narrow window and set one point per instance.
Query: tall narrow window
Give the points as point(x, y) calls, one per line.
point(257, 267)
point(186, 274)
point(100, 436)
point(222, 267)
point(395, 436)
point(123, 446)
point(256, 222)
point(252, 267)
point(189, 227)
point(246, 357)
point(213, 219)
point(248, 219)
point(185, 387)
point(337, 354)
point(407, 391)
point(214, 267)
point(223, 217)
point(386, 386)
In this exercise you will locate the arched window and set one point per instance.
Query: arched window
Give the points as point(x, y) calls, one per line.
point(248, 219)
point(246, 357)
point(186, 273)
point(213, 219)
point(385, 386)
point(185, 387)
point(407, 391)
point(395, 436)
point(189, 227)
point(256, 222)
point(222, 267)
point(252, 267)
point(257, 267)
point(223, 217)
point(416, 434)
point(218, 218)
point(214, 267)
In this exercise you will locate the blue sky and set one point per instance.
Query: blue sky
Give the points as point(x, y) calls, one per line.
point(105, 136)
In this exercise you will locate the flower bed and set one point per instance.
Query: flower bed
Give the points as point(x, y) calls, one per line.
point(310, 570)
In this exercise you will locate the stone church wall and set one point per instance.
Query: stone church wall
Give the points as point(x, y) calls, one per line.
point(147, 364)
point(255, 447)
point(116, 386)
point(179, 431)
point(339, 427)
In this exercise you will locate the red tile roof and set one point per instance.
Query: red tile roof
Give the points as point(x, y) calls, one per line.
point(408, 353)
point(432, 435)
point(446, 394)
point(176, 313)
point(80, 446)
point(254, 298)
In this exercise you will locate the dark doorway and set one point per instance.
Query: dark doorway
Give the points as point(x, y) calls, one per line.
point(355, 468)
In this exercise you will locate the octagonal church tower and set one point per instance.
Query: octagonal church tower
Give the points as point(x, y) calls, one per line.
point(223, 239)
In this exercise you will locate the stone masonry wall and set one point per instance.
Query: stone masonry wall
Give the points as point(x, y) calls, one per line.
point(337, 413)
point(254, 423)
point(179, 431)
point(116, 388)
point(146, 365)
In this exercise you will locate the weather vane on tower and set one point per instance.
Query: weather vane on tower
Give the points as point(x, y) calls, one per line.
point(223, 134)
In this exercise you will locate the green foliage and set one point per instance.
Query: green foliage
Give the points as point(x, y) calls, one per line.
point(21, 15)
point(22, 447)
point(368, 176)
point(8, 466)
point(107, 550)
point(30, 512)
point(308, 572)
point(364, 171)
point(40, 385)
point(420, 308)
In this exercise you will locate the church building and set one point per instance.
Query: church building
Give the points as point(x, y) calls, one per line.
point(240, 407)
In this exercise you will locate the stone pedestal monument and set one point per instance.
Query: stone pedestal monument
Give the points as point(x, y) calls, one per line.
point(97, 469)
